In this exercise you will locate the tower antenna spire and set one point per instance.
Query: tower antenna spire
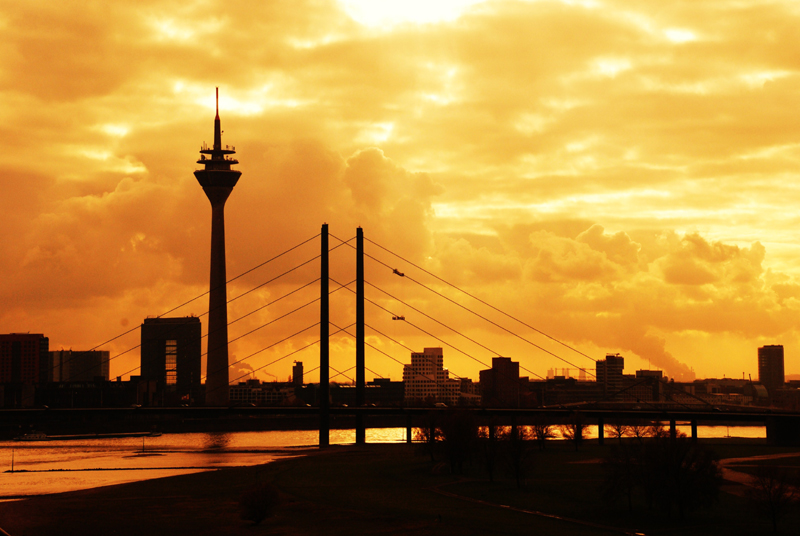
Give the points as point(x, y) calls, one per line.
point(217, 129)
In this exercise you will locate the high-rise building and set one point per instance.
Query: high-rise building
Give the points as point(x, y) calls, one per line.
point(608, 372)
point(500, 384)
point(297, 374)
point(75, 366)
point(217, 179)
point(427, 379)
point(770, 367)
point(171, 357)
point(24, 358)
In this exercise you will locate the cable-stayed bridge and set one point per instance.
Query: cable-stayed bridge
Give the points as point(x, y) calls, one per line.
point(311, 311)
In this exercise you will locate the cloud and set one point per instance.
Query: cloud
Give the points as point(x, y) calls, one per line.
point(618, 248)
point(627, 191)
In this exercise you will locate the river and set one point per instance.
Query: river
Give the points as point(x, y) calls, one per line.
point(59, 466)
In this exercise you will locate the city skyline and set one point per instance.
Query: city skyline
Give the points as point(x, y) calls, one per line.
point(628, 193)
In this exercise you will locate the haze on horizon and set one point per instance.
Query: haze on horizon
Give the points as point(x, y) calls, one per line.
point(621, 176)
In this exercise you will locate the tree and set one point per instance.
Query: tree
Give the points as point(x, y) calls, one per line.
point(489, 437)
point(657, 429)
point(459, 433)
point(617, 429)
point(638, 429)
point(542, 431)
point(773, 493)
point(518, 452)
point(623, 472)
point(574, 430)
point(429, 434)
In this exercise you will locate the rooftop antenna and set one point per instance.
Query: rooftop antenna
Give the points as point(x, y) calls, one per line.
point(217, 131)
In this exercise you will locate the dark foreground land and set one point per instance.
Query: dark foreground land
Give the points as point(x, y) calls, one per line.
point(389, 489)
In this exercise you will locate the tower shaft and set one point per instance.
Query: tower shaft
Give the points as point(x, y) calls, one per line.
point(217, 357)
point(217, 179)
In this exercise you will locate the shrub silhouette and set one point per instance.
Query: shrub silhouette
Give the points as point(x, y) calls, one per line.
point(773, 493)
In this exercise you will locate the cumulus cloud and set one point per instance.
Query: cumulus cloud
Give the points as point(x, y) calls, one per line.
point(629, 191)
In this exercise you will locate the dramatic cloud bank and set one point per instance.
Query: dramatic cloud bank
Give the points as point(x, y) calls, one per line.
point(620, 176)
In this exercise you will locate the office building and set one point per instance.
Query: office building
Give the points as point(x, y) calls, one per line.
point(171, 358)
point(297, 374)
point(770, 367)
point(500, 385)
point(426, 379)
point(24, 358)
point(78, 366)
point(608, 372)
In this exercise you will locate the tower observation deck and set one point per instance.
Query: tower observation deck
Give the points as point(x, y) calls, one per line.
point(217, 179)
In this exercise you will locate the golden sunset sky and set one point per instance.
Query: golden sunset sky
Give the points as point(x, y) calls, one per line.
point(621, 175)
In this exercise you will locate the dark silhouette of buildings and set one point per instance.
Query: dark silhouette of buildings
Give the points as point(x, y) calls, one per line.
point(171, 359)
point(425, 378)
point(217, 179)
point(23, 366)
point(297, 374)
point(770, 367)
point(24, 358)
point(608, 372)
point(72, 366)
point(385, 392)
point(95, 393)
point(257, 393)
point(381, 392)
point(500, 385)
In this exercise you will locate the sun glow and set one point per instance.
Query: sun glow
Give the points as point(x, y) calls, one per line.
point(388, 13)
point(680, 35)
point(376, 133)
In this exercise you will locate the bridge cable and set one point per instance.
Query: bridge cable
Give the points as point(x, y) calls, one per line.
point(435, 337)
point(473, 297)
point(481, 316)
point(52, 368)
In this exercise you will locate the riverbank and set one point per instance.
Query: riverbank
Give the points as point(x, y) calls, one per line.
point(381, 489)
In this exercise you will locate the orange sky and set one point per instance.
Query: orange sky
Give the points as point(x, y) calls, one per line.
point(618, 175)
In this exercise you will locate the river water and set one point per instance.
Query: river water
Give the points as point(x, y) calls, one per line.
point(59, 466)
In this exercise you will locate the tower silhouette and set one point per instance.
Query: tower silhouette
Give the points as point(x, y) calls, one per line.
point(217, 179)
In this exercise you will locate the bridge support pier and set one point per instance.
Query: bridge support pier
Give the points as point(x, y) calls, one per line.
point(409, 422)
point(361, 431)
point(324, 356)
point(783, 431)
point(673, 429)
point(601, 431)
point(694, 431)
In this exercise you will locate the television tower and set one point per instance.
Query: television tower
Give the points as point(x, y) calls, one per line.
point(217, 179)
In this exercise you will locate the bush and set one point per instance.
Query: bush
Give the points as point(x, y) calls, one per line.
point(773, 493)
point(259, 503)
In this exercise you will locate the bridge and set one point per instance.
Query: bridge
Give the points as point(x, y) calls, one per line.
point(782, 427)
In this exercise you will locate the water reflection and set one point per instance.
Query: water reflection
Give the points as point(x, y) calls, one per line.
point(217, 440)
point(58, 466)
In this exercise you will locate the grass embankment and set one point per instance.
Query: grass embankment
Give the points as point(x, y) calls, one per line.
point(380, 489)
